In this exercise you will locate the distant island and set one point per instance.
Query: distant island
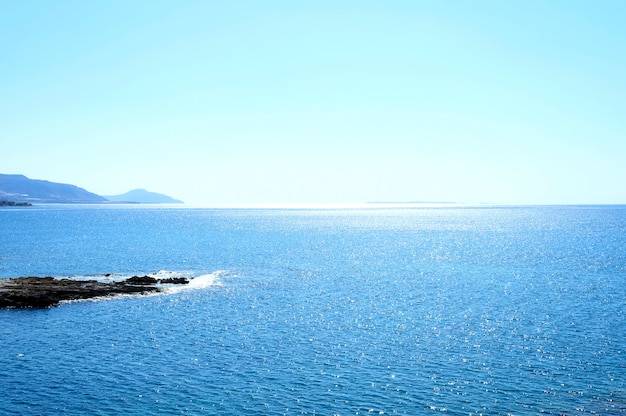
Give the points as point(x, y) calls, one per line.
point(18, 190)
point(141, 196)
point(412, 202)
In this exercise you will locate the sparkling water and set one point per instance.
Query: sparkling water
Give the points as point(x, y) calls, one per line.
point(409, 310)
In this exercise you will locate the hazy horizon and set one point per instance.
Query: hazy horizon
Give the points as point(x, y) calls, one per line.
point(319, 102)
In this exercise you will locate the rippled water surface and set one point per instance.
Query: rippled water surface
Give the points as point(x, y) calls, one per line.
point(454, 310)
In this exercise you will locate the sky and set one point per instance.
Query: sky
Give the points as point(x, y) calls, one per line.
point(248, 102)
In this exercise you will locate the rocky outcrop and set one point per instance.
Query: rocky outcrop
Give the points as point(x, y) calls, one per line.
point(43, 292)
point(4, 203)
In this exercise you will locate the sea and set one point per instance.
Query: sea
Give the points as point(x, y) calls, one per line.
point(369, 310)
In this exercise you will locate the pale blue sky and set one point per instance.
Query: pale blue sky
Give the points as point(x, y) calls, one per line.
point(319, 101)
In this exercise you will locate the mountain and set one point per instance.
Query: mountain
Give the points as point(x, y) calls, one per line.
point(19, 188)
point(141, 196)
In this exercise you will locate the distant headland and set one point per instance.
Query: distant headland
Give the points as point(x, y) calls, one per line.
point(18, 190)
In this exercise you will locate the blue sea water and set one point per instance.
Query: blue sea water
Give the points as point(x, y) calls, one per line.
point(416, 310)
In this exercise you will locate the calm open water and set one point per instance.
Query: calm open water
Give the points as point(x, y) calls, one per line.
point(453, 310)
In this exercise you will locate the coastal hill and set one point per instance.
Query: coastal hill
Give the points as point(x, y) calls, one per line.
point(19, 188)
point(141, 196)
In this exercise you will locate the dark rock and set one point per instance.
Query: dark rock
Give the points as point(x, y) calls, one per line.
point(141, 280)
point(175, 281)
point(43, 292)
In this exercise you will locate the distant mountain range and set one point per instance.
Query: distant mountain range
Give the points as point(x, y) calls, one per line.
point(19, 188)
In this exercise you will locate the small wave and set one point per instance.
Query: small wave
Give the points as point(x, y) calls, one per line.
point(202, 281)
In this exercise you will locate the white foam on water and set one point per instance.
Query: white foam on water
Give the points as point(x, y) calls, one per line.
point(199, 282)
point(203, 281)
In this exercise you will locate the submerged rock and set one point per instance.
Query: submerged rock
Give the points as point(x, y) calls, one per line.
point(43, 292)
